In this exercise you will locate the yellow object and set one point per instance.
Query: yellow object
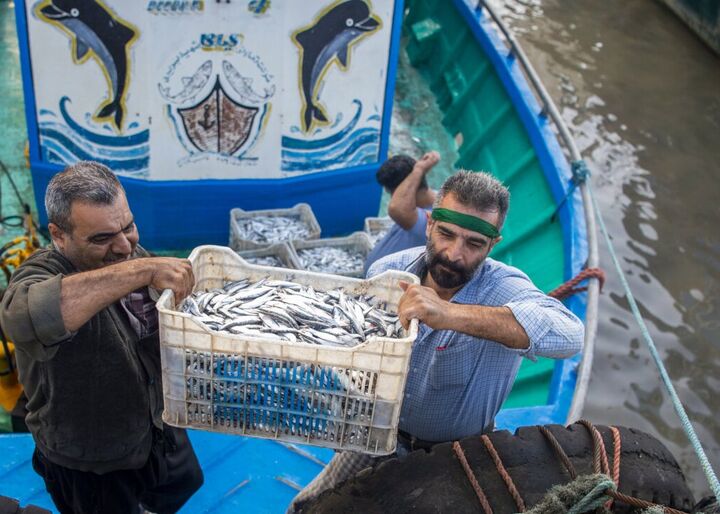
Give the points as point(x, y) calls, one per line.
point(14, 252)
point(26, 153)
point(10, 388)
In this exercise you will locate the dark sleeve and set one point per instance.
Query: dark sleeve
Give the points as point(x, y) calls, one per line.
point(30, 310)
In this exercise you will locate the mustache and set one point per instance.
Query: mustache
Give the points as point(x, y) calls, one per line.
point(439, 259)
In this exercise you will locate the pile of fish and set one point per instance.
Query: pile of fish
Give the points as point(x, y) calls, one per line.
point(267, 260)
point(272, 229)
point(331, 259)
point(287, 311)
point(376, 236)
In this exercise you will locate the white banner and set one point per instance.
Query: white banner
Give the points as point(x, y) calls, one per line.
point(188, 90)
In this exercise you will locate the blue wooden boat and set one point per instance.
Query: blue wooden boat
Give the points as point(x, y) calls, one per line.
point(497, 110)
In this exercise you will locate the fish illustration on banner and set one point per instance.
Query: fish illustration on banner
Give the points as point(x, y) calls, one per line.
point(191, 85)
point(217, 111)
point(327, 40)
point(96, 32)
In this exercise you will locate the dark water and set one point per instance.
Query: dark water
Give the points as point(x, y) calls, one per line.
point(642, 97)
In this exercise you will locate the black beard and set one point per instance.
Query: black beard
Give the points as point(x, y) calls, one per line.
point(446, 274)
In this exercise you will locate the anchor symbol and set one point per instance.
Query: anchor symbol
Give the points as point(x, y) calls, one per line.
point(206, 123)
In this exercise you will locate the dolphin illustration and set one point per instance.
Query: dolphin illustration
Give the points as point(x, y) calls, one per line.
point(328, 38)
point(95, 30)
point(191, 85)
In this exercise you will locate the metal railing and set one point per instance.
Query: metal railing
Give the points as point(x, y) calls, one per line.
point(550, 110)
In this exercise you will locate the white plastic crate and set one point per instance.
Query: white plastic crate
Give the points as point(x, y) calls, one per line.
point(356, 242)
point(342, 398)
point(376, 228)
point(301, 211)
point(282, 251)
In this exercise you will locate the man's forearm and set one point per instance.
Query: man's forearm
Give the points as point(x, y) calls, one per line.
point(493, 323)
point(402, 207)
point(85, 294)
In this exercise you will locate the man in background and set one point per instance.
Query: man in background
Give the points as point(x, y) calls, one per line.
point(405, 179)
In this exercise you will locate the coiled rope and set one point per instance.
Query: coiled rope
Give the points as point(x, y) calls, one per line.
point(570, 288)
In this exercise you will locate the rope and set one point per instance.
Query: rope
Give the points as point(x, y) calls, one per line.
point(580, 174)
point(605, 466)
point(484, 504)
point(569, 288)
point(555, 444)
point(617, 448)
point(595, 436)
point(595, 498)
point(600, 465)
point(677, 404)
point(503, 473)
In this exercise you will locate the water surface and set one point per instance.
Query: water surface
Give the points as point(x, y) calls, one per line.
point(641, 95)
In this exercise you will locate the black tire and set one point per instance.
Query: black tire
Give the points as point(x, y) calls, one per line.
point(425, 482)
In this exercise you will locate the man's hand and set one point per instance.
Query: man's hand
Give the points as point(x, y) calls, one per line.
point(422, 303)
point(403, 205)
point(172, 273)
point(85, 294)
point(427, 161)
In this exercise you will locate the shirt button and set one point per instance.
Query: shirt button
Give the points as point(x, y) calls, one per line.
point(414, 370)
point(152, 380)
point(408, 396)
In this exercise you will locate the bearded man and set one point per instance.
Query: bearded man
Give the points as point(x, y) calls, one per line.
point(478, 318)
point(86, 333)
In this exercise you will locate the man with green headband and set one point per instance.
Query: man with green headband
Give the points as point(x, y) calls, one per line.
point(478, 319)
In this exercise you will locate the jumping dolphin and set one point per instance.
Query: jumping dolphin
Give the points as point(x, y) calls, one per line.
point(326, 39)
point(95, 30)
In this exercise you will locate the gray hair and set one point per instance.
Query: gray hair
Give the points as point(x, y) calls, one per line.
point(84, 181)
point(478, 190)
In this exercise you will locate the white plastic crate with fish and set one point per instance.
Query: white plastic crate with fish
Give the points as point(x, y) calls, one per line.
point(281, 253)
point(338, 255)
point(345, 398)
point(376, 228)
point(299, 223)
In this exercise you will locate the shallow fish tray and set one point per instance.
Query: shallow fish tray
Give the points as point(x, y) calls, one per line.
point(281, 251)
point(301, 211)
point(357, 242)
point(376, 228)
point(334, 397)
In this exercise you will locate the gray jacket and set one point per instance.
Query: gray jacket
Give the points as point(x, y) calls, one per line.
point(93, 395)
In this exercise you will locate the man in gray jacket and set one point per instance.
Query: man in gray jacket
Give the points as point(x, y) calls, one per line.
point(86, 333)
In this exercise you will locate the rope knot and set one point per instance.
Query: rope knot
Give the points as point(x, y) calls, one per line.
point(580, 172)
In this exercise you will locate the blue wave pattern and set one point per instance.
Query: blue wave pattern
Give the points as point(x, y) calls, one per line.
point(65, 141)
point(346, 147)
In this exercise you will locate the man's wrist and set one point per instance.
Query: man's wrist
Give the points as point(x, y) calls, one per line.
point(453, 317)
point(142, 269)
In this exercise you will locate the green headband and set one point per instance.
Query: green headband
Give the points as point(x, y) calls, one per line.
point(466, 221)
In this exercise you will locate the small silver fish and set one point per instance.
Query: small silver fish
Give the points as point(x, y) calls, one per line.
point(272, 229)
point(287, 311)
point(267, 260)
point(332, 259)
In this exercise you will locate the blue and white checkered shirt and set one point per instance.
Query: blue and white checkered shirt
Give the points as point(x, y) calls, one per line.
point(456, 382)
